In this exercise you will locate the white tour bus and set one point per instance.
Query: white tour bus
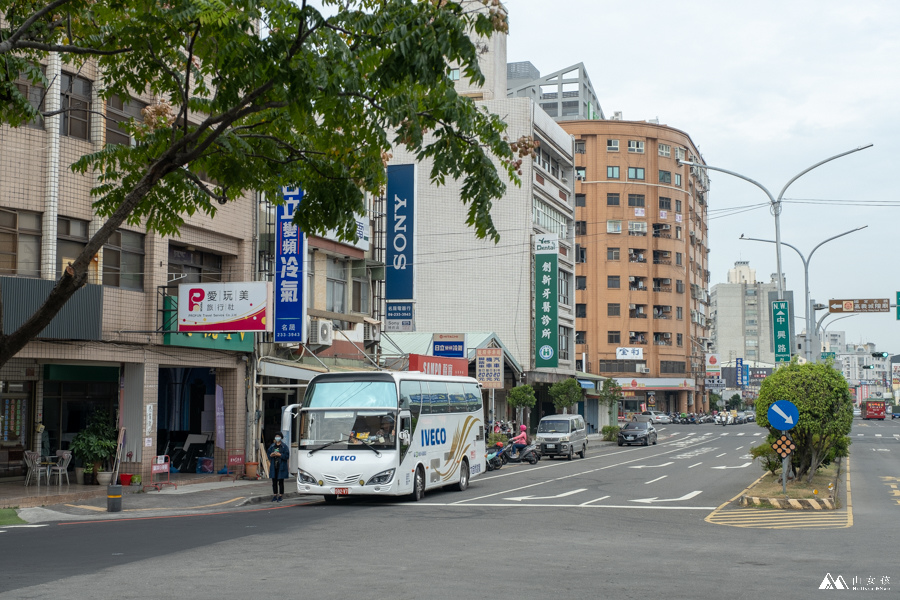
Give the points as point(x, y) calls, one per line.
point(387, 434)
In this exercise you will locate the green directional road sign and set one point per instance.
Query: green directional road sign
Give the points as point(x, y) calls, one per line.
point(781, 330)
point(827, 355)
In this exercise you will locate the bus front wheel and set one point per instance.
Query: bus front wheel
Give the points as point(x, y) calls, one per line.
point(463, 476)
point(418, 485)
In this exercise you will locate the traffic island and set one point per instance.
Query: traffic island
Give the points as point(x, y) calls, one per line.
point(818, 494)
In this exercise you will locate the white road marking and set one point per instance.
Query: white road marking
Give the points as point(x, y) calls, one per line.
point(859, 435)
point(563, 495)
point(687, 496)
point(592, 501)
point(654, 480)
point(726, 433)
point(650, 466)
point(757, 434)
point(739, 447)
point(23, 526)
point(723, 454)
point(877, 435)
point(692, 466)
point(738, 467)
point(881, 449)
point(490, 505)
point(742, 433)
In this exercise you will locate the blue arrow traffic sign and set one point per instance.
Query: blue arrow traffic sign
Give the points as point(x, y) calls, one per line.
point(783, 415)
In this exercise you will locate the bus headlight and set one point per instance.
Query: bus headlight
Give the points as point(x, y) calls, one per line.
point(382, 478)
point(304, 477)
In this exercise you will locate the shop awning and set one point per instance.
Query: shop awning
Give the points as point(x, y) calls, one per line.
point(586, 384)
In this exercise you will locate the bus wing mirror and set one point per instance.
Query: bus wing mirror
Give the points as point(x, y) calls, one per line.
point(404, 437)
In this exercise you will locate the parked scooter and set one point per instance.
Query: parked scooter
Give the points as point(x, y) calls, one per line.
point(492, 457)
point(527, 454)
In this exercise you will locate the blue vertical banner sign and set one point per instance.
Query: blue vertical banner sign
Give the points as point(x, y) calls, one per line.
point(399, 254)
point(546, 301)
point(290, 274)
point(739, 371)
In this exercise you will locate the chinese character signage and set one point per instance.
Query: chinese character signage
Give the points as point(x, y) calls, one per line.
point(629, 353)
point(436, 365)
point(223, 307)
point(450, 345)
point(781, 331)
point(290, 273)
point(400, 232)
point(399, 317)
point(739, 371)
point(546, 326)
point(860, 305)
point(489, 367)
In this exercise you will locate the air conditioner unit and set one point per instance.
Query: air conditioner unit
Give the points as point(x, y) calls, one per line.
point(564, 179)
point(667, 335)
point(321, 333)
point(631, 251)
point(632, 306)
point(631, 278)
point(693, 233)
point(371, 332)
point(579, 177)
point(643, 369)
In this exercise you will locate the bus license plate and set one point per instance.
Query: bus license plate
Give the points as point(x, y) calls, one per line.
point(341, 491)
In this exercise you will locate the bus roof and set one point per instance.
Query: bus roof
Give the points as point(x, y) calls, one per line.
point(395, 376)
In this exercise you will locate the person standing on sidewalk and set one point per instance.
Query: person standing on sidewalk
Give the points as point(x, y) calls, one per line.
point(279, 454)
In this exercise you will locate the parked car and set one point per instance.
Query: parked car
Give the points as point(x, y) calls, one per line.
point(660, 418)
point(858, 413)
point(637, 432)
point(749, 416)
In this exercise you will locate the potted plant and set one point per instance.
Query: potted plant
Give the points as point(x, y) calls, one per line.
point(96, 443)
point(88, 474)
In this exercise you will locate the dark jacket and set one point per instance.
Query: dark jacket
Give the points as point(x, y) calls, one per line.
point(282, 471)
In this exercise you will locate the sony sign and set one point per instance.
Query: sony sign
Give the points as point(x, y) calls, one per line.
point(400, 232)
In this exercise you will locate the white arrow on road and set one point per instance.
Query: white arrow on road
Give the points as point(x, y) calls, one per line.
point(738, 467)
point(650, 466)
point(787, 419)
point(687, 496)
point(563, 495)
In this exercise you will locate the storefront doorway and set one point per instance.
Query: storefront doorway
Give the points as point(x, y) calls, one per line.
point(16, 425)
point(187, 418)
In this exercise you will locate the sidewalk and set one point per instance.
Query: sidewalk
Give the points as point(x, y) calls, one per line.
point(193, 498)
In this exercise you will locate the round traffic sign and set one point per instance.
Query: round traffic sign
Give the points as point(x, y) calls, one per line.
point(783, 415)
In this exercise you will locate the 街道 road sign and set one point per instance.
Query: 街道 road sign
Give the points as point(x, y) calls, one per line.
point(864, 305)
point(781, 330)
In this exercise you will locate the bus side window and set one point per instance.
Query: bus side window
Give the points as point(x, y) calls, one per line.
point(410, 397)
point(440, 403)
point(457, 394)
point(473, 396)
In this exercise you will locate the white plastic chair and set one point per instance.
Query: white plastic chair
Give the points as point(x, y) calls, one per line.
point(35, 468)
point(61, 468)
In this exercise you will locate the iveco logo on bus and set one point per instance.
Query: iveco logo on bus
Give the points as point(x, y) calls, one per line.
point(350, 458)
point(434, 437)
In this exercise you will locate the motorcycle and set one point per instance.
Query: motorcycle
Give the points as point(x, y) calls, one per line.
point(527, 454)
point(492, 457)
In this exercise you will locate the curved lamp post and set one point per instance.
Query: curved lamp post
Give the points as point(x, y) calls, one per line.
point(776, 203)
point(806, 259)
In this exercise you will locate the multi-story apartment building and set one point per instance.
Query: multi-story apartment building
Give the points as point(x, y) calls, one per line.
point(869, 376)
point(565, 95)
point(740, 317)
point(108, 349)
point(641, 251)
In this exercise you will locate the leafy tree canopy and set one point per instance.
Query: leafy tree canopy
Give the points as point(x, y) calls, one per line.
point(610, 392)
point(260, 94)
point(823, 399)
point(566, 393)
point(521, 396)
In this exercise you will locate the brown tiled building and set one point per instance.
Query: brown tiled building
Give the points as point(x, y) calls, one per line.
point(642, 271)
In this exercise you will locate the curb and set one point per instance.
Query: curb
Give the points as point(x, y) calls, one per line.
point(789, 503)
point(267, 498)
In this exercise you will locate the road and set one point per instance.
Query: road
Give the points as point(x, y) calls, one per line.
point(629, 522)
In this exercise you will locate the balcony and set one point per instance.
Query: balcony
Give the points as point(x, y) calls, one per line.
point(662, 288)
point(636, 258)
point(662, 261)
point(638, 233)
point(661, 342)
point(637, 315)
point(659, 234)
point(638, 341)
point(637, 287)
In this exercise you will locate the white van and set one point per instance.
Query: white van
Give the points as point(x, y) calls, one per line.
point(562, 435)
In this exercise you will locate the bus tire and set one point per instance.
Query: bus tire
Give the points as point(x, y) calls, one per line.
point(418, 491)
point(463, 483)
point(330, 498)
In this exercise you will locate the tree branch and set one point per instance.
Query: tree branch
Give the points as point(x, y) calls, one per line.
point(11, 43)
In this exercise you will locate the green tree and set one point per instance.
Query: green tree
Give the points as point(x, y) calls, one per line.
point(609, 396)
point(565, 394)
point(260, 94)
point(826, 412)
point(735, 401)
point(521, 396)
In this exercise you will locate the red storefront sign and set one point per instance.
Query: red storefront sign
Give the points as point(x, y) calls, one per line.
point(437, 365)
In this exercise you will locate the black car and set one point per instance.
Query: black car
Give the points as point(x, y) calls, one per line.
point(637, 432)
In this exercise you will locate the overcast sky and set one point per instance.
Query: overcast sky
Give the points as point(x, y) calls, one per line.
point(765, 90)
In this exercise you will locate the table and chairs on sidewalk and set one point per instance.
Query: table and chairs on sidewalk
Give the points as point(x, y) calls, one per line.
point(47, 467)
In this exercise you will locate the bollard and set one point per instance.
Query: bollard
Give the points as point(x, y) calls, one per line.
point(114, 498)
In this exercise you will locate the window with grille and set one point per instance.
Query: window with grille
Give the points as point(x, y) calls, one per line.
point(614, 227)
point(75, 120)
point(665, 150)
point(123, 260)
point(580, 227)
point(613, 310)
point(579, 147)
point(635, 200)
point(20, 243)
point(671, 366)
point(581, 311)
point(613, 282)
point(580, 282)
point(612, 199)
point(580, 337)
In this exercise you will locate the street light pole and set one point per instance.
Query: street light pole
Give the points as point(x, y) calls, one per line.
point(805, 259)
point(776, 204)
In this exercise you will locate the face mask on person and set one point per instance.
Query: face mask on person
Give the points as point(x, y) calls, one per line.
point(277, 438)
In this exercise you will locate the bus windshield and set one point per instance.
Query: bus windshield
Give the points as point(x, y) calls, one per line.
point(351, 394)
point(348, 429)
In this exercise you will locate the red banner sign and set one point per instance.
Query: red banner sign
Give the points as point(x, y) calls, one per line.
point(436, 365)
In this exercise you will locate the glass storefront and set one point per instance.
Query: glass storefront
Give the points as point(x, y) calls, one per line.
point(16, 426)
point(68, 406)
